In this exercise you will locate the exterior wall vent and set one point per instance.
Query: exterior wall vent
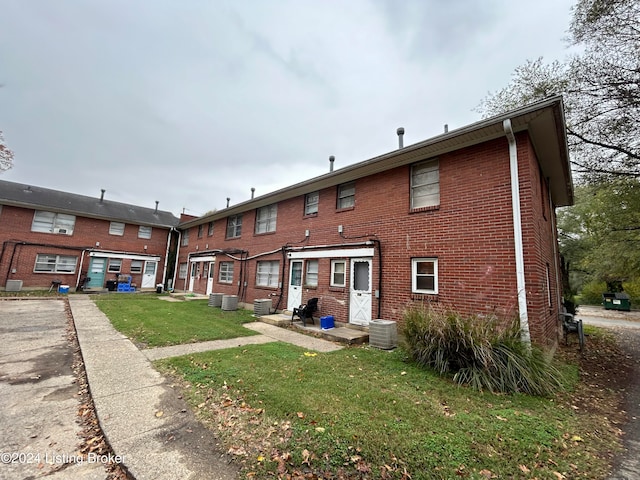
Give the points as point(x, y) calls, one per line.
point(262, 306)
point(383, 334)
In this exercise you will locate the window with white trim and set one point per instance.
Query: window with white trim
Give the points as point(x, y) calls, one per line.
point(144, 231)
point(136, 266)
point(200, 230)
point(48, 263)
point(116, 228)
point(267, 273)
point(182, 270)
point(210, 229)
point(424, 275)
point(185, 238)
point(225, 273)
point(338, 273)
point(234, 226)
point(311, 279)
point(346, 195)
point(50, 222)
point(311, 202)
point(266, 218)
point(425, 184)
point(115, 265)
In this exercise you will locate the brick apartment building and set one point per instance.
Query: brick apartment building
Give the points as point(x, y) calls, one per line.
point(50, 237)
point(465, 219)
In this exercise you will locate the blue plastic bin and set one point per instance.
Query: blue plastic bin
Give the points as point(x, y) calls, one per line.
point(326, 323)
point(63, 289)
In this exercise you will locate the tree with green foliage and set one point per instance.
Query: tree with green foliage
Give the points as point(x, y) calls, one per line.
point(600, 85)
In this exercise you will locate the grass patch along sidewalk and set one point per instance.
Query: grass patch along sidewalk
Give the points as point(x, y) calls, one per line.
point(150, 322)
point(365, 413)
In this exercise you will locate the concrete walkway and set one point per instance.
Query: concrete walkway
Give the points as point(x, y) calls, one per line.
point(143, 418)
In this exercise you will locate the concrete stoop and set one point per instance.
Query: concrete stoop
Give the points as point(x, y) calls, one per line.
point(340, 334)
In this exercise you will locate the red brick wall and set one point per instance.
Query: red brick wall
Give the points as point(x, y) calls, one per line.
point(471, 234)
point(20, 246)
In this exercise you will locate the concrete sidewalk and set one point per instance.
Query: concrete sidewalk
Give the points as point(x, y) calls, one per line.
point(143, 418)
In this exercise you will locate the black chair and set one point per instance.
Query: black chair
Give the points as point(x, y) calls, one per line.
point(306, 311)
point(572, 325)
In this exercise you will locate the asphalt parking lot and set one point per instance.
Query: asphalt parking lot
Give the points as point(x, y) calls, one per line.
point(39, 432)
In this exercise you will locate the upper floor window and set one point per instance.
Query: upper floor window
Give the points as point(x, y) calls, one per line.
point(210, 229)
point(266, 219)
point(311, 201)
point(49, 222)
point(116, 228)
point(346, 195)
point(424, 275)
point(55, 263)
point(144, 231)
point(425, 184)
point(185, 238)
point(267, 274)
point(200, 230)
point(234, 226)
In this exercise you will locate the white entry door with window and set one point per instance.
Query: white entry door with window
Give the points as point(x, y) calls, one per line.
point(210, 277)
point(149, 274)
point(360, 291)
point(192, 277)
point(294, 299)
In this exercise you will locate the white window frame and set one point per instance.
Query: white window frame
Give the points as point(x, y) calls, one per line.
point(144, 231)
point(268, 273)
point(200, 230)
point(114, 265)
point(311, 203)
point(184, 241)
point(116, 228)
point(425, 177)
point(50, 222)
point(234, 226)
point(266, 218)
point(334, 282)
point(136, 266)
point(311, 274)
point(346, 195)
point(182, 270)
point(225, 272)
point(415, 275)
point(210, 229)
point(59, 263)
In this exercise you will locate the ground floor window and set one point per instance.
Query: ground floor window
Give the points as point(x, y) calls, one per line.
point(338, 273)
point(182, 271)
point(225, 274)
point(268, 273)
point(115, 265)
point(55, 263)
point(136, 266)
point(311, 279)
point(424, 275)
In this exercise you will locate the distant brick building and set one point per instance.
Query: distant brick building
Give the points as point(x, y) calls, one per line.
point(51, 236)
point(465, 219)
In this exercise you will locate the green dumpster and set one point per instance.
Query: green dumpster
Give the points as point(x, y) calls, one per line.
point(616, 301)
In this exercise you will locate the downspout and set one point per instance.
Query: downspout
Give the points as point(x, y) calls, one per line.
point(166, 258)
point(556, 253)
point(80, 269)
point(525, 334)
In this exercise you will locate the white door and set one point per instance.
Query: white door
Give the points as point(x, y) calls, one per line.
point(294, 298)
point(149, 275)
point(360, 291)
point(192, 278)
point(210, 277)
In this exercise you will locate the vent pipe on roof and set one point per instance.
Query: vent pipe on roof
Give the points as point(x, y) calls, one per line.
point(102, 190)
point(228, 200)
point(157, 202)
point(331, 160)
point(400, 133)
point(253, 191)
point(446, 128)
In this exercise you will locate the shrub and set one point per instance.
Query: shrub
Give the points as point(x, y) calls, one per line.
point(482, 352)
point(591, 293)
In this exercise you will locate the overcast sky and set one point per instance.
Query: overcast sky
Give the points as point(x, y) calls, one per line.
point(189, 102)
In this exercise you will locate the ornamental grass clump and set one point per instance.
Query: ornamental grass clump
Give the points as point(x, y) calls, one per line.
point(481, 352)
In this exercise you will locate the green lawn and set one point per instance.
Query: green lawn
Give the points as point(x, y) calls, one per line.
point(362, 411)
point(151, 322)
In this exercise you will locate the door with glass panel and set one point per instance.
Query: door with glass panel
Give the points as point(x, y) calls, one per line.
point(294, 298)
point(360, 291)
